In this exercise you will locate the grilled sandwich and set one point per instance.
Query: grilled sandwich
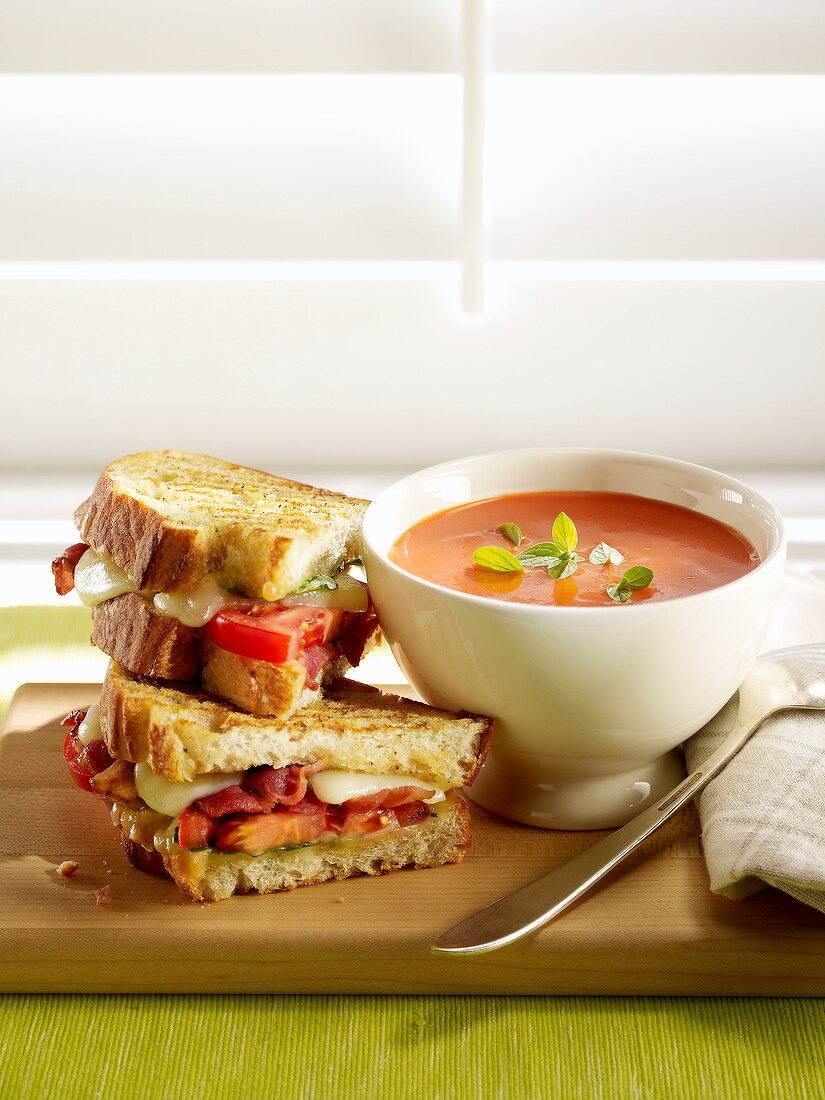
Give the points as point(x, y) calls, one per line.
point(195, 568)
point(357, 783)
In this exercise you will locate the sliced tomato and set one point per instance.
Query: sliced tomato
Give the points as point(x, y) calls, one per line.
point(231, 800)
point(195, 829)
point(361, 824)
point(73, 754)
point(257, 833)
point(83, 761)
point(276, 635)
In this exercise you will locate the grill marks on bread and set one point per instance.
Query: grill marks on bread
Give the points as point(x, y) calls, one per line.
point(169, 519)
point(181, 732)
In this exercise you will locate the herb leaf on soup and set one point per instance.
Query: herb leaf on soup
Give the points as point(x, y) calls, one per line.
point(618, 592)
point(565, 566)
point(497, 560)
point(540, 555)
point(638, 576)
point(565, 535)
point(560, 558)
point(602, 554)
point(511, 531)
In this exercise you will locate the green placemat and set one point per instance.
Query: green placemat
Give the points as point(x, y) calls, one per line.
point(393, 1047)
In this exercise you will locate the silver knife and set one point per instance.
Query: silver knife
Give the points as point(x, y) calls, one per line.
point(788, 679)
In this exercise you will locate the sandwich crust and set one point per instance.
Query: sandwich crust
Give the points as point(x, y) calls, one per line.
point(212, 876)
point(170, 519)
point(136, 635)
point(148, 643)
point(259, 687)
point(182, 732)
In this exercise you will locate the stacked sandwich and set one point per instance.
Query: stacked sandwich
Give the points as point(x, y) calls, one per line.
point(230, 751)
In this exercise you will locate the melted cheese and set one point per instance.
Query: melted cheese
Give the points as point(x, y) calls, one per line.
point(337, 787)
point(173, 798)
point(196, 606)
point(97, 578)
point(348, 596)
point(144, 826)
point(89, 728)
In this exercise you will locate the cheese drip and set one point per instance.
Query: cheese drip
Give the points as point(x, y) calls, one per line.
point(196, 606)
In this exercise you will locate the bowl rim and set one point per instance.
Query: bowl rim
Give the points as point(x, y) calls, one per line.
point(514, 607)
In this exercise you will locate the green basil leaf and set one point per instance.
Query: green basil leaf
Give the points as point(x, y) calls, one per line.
point(605, 555)
point(565, 535)
point(540, 555)
point(620, 593)
point(565, 567)
point(577, 558)
point(511, 532)
point(497, 559)
point(316, 584)
point(638, 577)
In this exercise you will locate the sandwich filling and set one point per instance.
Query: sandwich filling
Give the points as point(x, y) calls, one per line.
point(325, 618)
point(259, 810)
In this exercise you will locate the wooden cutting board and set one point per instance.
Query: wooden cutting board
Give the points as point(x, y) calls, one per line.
point(653, 929)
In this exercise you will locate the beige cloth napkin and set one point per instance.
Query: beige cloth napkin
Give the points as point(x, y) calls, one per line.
point(763, 817)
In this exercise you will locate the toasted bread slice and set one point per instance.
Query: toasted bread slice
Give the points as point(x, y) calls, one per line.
point(261, 688)
point(131, 631)
point(211, 876)
point(181, 732)
point(148, 643)
point(170, 519)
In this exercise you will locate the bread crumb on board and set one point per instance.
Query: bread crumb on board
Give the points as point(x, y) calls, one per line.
point(67, 868)
point(103, 895)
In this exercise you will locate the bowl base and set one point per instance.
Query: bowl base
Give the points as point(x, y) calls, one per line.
point(597, 802)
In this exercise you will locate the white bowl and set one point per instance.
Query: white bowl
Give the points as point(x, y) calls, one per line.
point(589, 702)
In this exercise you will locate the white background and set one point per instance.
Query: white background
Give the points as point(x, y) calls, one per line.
point(237, 229)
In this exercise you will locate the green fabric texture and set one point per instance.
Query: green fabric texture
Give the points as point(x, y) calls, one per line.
point(410, 1047)
point(304, 1047)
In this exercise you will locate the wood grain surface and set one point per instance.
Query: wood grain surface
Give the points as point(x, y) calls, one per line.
point(653, 928)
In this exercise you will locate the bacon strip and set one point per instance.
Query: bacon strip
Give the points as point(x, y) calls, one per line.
point(279, 786)
point(413, 813)
point(313, 659)
point(353, 639)
point(231, 800)
point(390, 797)
point(73, 719)
point(117, 780)
point(63, 567)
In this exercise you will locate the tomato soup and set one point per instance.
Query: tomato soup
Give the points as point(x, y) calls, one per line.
point(687, 552)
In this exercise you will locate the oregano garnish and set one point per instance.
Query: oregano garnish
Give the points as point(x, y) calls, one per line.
point(560, 557)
